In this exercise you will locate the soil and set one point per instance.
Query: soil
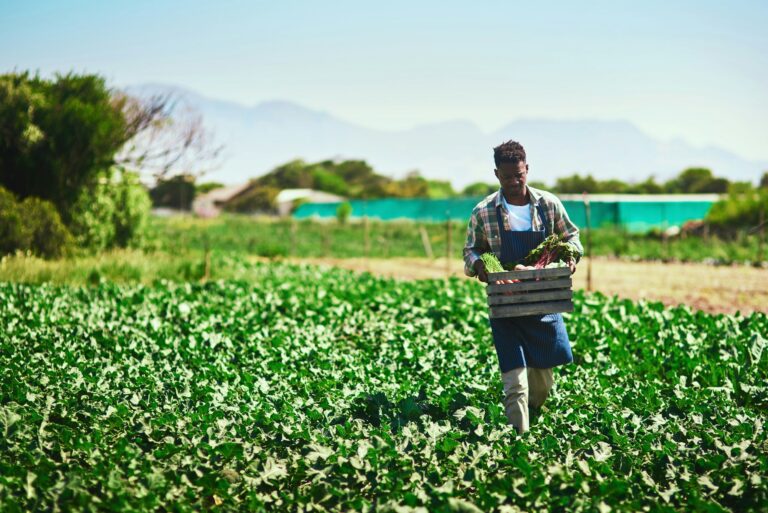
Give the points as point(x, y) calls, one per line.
point(713, 289)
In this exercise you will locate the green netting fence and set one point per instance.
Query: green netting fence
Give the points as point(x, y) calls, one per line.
point(634, 213)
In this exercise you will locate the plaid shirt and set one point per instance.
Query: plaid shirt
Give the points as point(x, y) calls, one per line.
point(483, 230)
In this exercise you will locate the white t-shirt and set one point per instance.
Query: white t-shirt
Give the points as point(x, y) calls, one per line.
point(519, 216)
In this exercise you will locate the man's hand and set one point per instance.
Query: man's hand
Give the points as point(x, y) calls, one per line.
point(572, 265)
point(479, 268)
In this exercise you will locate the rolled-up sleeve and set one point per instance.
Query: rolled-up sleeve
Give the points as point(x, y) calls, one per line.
point(476, 244)
point(564, 226)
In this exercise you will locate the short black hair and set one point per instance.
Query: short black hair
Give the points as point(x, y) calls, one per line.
point(510, 151)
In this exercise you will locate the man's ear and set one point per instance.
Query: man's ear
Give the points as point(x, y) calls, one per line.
point(526, 166)
point(496, 172)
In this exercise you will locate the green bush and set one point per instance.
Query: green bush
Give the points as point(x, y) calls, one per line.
point(92, 218)
point(255, 199)
point(57, 134)
point(325, 180)
point(48, 236)
point(207, 187)
point(33, 225)
point(13, 232)
point(739, 210)
point(343, 211)
point(175, 192)
point(132, 208)
point(111, 213)
point(271, 250)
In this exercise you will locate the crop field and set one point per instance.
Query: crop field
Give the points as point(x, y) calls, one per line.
point(302, 389)
point(711, 288)
point(308, 238)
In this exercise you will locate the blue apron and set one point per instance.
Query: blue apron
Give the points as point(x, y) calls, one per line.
point(533, 340)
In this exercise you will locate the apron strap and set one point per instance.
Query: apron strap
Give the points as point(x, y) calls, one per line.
point(543, 219)
point(506, 245)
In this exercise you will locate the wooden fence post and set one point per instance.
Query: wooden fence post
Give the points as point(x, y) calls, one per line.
point(425, 242)
point(588, 215)
point(664, 235)
point(327, 242)
point(448, 243)
point(293, 230)
point(761, 237)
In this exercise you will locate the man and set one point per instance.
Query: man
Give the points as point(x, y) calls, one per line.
point(510, 223)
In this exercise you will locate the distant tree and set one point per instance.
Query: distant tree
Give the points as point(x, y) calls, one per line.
point(479, 189)
point(739, 210)
point(175, 192)
point(326, 180)
point(165, 137)
point(649, 186)
point(362, 180)
point(352, 179)
point(254, 199)
point(61, 136)
point(613, 186)
point(440, 189)
point(764, 181)
point(412, 186)
point(206, 187)
point(56, 137)
point(576, 184)
point(353, 171)
point(291, 175)
point(697, 180)
point(736, 188)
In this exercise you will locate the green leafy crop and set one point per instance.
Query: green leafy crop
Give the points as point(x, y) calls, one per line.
point(326, 390)
point(492, 263)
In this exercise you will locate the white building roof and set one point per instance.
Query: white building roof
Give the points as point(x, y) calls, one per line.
point(312, 194)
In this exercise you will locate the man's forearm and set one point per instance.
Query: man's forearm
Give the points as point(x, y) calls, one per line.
point(574, 240)
point(473, 244)
point(470, 257)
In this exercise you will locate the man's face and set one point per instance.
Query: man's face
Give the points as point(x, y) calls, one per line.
point(512, 177)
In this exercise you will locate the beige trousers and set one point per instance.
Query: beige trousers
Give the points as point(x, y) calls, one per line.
point(523, 387)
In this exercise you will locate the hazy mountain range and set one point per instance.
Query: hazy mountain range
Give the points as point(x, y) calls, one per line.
point(259, 138)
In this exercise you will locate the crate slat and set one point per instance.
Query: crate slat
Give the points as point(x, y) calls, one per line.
point(562, 283)
point(555, 272)
point(530, 297)
point(531, 309)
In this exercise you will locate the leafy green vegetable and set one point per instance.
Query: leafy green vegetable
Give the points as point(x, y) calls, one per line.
point(492, 263)
point(552, 249)
point(328, 390)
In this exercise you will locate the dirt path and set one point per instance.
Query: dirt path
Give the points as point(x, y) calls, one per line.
point(714, 289)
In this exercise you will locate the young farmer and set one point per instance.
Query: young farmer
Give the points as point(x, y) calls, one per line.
point(510, 223)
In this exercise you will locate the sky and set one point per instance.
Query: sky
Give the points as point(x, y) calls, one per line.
point(691, 70)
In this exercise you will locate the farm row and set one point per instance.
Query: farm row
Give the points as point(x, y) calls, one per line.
point(327, 390)
point(309, 238)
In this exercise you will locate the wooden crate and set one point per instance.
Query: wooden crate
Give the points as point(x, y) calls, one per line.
point(538, 292)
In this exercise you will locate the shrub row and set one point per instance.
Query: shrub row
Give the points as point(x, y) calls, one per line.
point(32, 225)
